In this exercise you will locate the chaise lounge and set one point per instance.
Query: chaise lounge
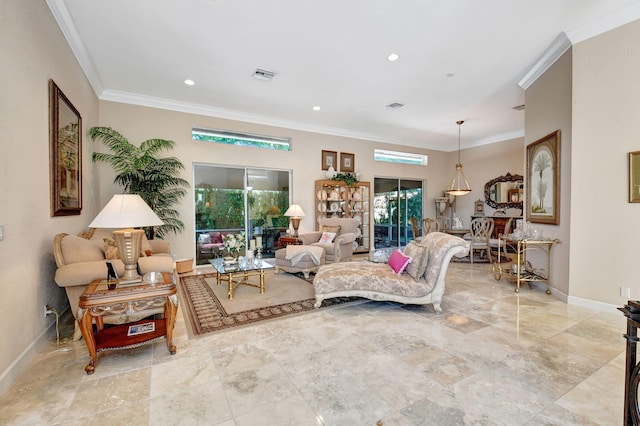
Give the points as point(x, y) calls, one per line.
point(424, 283)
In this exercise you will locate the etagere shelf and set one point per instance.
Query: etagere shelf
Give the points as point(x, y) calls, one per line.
point(335, 198)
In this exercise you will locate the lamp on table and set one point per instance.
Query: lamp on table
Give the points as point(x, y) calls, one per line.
point(127, 211)
point(295, 213)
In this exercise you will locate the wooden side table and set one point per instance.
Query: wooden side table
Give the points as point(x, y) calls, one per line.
point(98, 301)
point(285, 241)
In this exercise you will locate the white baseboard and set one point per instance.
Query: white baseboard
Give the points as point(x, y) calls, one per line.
point(578, 301)
point(23, 361)
point(593, 304)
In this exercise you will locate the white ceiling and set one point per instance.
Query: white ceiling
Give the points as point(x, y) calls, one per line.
point(459, 59)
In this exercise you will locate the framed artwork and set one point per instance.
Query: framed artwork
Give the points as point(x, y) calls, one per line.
point(65, 154)
point(634, 177)
point(543, 180)
point(329, 158)
point(347, 162)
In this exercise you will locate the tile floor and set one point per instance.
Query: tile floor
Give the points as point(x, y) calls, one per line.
point(492, 358)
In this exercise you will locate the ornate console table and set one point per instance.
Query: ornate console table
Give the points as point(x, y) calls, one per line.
point(632, 371)
point(98, 300)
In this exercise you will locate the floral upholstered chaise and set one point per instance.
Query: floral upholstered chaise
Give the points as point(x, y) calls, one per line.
point(422, 283)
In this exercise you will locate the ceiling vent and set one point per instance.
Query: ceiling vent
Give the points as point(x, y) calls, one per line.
point(264, 75)
point(394, 106)
point(519, 107)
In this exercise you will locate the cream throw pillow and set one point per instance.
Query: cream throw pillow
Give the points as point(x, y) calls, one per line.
point(420, 256)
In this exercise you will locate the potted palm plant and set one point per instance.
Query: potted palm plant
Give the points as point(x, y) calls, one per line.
point(139, 171)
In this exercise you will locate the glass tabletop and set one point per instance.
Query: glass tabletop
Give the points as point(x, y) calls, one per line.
point(244, 265)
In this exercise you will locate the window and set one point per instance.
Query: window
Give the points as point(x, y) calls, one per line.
point(237, 199)
point(395, 201)
point(241, 139)
point(400, 157)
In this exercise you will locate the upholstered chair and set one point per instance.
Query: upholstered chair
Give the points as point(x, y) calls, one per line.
point(340, 248)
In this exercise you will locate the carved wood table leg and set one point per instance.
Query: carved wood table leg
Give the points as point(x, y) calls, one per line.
point(170, 311)
point(85, 323)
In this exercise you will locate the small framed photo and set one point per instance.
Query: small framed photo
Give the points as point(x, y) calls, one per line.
point(347, 162)
point(634, 177)
point(329, 159)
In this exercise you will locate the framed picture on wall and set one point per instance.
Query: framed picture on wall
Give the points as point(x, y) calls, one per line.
point(329, 159)
point(634, 177)
point(543, 184)
point(347, 162)
point(65, 154)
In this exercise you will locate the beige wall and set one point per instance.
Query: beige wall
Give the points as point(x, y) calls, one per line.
point(140, 123)
point(605, 234)
point(548, 108)
point(482, 164)
point(33, 50)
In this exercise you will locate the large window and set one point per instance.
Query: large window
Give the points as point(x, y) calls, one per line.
point(233, 200)
point(394, 202)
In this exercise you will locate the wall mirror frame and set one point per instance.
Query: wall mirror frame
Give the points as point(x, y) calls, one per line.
point(510, 198)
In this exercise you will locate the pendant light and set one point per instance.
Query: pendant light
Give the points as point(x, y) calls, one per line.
point(459, 184)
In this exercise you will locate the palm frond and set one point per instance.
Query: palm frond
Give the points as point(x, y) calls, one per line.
point(138, 171)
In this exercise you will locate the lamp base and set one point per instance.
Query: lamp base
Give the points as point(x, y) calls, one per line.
point(129, 242)
point(295, 222)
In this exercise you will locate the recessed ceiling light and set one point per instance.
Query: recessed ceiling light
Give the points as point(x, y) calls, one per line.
point(316, 108)
point(189, 82)
point(519, 107)
point(393, 57)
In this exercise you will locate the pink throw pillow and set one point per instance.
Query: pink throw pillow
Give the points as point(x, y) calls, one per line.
point(398, 261)
point(327, 237)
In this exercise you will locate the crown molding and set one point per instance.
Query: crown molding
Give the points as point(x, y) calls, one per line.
point(498, 138)
point(565, 40)
point(551, 54)
point(606, 23)
point(209, 111)
point(65, 22)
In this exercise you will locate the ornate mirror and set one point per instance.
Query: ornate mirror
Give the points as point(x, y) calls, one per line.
point(505, 192)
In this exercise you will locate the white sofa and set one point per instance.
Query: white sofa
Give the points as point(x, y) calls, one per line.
point(377, 281)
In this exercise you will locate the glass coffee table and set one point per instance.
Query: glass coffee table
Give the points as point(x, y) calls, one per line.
point(238, 273)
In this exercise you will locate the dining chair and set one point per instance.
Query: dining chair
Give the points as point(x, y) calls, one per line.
point(497, 243)
point(481, 230)
point(414, 227)
point(430, 225)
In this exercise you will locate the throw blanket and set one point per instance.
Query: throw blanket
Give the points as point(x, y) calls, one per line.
point(296, 253)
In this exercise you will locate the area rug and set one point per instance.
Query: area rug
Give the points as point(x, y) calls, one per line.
point(208, 308)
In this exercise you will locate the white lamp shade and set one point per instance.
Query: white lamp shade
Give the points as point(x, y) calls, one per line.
point(294, 210)
point(126, 211)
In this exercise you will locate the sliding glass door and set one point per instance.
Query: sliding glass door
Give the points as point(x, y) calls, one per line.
point(395, 201)
point(237, 199)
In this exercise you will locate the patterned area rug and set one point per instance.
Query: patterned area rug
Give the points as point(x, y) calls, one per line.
point(206, 313)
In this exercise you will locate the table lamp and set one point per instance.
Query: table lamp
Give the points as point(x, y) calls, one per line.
point(127, 211)
point(295, 212)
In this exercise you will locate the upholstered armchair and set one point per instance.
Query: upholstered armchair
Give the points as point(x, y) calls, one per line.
point(340, 249)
